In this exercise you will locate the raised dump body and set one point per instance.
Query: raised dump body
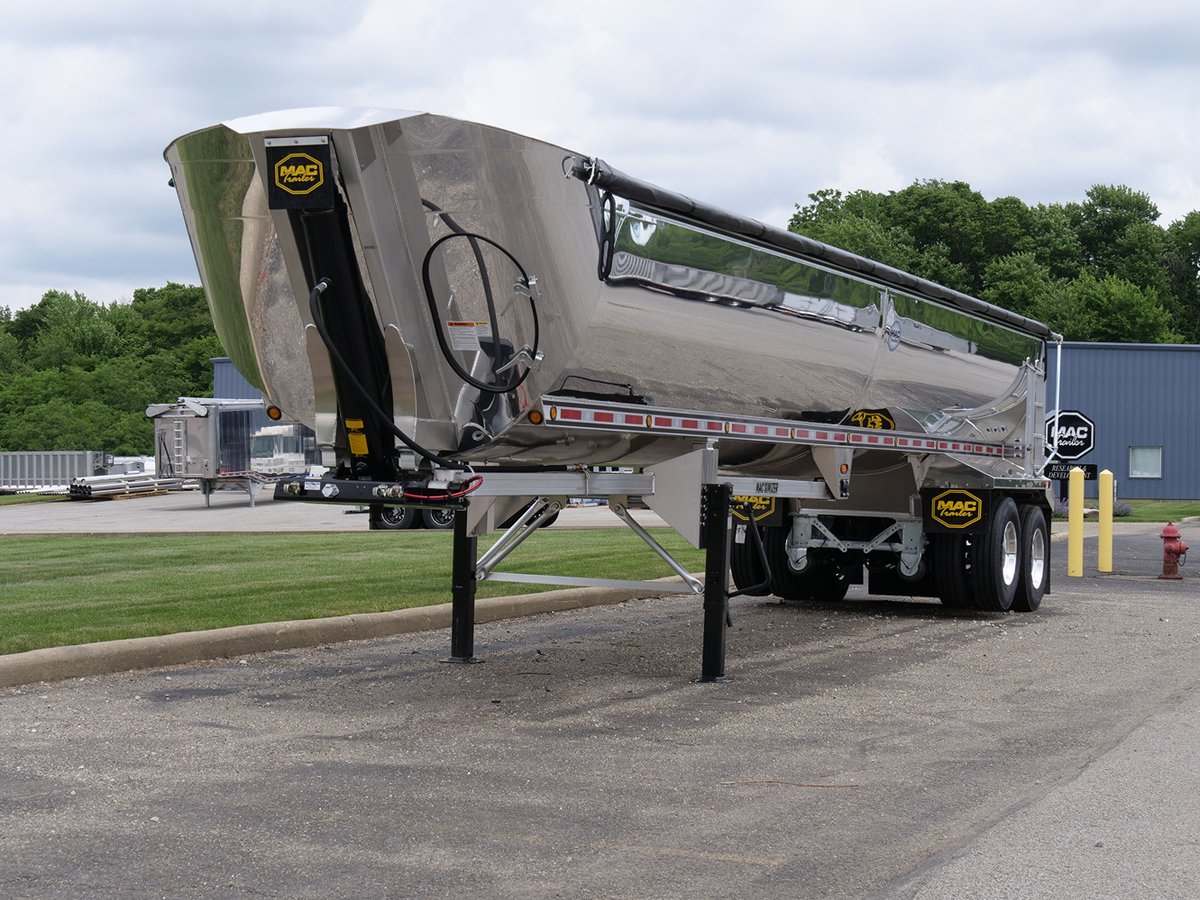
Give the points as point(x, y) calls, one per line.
point(462, 313)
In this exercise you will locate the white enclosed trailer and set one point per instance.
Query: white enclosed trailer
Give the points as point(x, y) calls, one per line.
point(30, 470)
point(472, 320)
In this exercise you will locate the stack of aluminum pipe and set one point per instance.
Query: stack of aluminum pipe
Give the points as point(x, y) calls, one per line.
point(110, 485)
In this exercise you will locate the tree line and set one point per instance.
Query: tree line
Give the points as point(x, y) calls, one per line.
point(78, 375)
point(1096, 270)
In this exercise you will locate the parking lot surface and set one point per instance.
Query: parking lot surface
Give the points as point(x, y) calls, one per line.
point(870, 748)
point(185, 512)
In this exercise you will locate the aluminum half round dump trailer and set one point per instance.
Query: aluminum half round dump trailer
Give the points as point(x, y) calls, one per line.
point(471, 319)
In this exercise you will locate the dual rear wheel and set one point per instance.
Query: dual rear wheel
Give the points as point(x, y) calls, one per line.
point(1004, 567)
point(397, 518)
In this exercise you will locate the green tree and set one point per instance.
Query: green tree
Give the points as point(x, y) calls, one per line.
point(1106, 309)
point(1055, 242)
point(27, 324)
point(867, 237)
point(10, 353)
point(1102, 220)
point(1007, 228)
point(79, 375)
point(946, 220)
point(63, 329)
point(172, 314)
point(1017, 282)
point(825, 206)
point(937, 263)
point(1100, 269)
point(1182, 265)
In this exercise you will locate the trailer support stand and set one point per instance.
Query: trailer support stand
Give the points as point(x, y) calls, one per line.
point(714, 515)
point(462, 609)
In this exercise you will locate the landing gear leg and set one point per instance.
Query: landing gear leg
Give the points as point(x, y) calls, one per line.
point(715, 500)
point(462, 608)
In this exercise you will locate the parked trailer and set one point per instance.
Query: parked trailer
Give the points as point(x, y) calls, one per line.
point(471, 320)
point(30, 470)
point(206, 440)
point(283, 449)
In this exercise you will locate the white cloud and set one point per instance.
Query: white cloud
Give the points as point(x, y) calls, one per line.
point(750, 107)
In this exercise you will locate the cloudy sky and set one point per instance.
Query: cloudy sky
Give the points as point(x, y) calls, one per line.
point(749, 106)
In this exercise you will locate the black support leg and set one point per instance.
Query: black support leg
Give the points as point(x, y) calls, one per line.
point(715, 499)
point(462, 613)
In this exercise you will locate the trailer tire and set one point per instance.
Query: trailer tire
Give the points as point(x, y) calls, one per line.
point(821, 579)
point(997, 562)
point(438, 519)
point(952, 558)
point(1035, 547)
point(746, 566)
point(785, 583)
point(392, 518)
point(828, 583)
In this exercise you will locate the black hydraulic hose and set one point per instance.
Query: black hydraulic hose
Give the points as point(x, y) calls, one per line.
point(321, 286)
point(756, 537)
point(438, 328)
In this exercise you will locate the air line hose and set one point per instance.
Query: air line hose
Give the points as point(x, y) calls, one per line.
point(314, 309)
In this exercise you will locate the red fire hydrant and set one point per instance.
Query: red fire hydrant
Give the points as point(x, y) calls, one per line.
point(1174, 550)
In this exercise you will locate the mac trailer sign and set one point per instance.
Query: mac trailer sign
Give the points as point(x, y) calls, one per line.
point(1071, 434)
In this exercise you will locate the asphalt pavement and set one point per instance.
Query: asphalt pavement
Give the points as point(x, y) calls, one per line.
point(870, 748)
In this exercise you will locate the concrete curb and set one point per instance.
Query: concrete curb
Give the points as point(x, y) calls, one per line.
point(107, 657)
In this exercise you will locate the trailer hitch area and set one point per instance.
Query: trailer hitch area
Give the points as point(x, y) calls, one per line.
point(439, 488)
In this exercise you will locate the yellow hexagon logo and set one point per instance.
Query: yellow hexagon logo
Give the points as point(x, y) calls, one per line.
point(299, 174)
point(956, 508)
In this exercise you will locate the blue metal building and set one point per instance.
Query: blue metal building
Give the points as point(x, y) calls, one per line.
point(1139, 398)
point(229, 383)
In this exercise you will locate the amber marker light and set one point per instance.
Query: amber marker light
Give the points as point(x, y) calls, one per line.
point(535, 417)
point(274, 413)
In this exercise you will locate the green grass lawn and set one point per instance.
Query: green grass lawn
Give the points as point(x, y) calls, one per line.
point(1161, 510)
point(8, 499)
point(75, 589)
point(1142, 510)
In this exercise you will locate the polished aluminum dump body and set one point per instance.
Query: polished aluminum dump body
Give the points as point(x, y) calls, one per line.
point(644, 300)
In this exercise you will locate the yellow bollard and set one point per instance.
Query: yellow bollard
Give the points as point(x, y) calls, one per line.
point(1107, 495)
point(1075, 523)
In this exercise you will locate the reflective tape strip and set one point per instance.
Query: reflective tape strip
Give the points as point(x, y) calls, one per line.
point(752, 429)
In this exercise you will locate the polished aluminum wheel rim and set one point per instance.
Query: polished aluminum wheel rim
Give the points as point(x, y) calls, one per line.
point(1037, 557)
point(1008, 566)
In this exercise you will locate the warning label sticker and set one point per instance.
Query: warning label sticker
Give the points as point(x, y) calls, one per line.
point(466, 335)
